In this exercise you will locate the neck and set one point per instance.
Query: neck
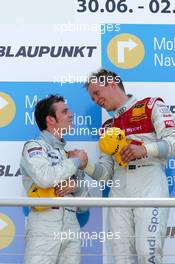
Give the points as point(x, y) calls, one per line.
point(121, 100)
point(54, 132)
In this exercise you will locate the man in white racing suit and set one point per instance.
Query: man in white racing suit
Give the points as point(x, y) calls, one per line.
point(151, 126)
point(52, 232)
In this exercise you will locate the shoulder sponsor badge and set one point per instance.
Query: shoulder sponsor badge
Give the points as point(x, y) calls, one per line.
point(169, 123)
point(164, 109)
point(139, 112)
point(36, 151)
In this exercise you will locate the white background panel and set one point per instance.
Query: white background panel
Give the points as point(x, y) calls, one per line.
point(46, 68)
point(142, 90)
point(11, 186)
point(43, 12)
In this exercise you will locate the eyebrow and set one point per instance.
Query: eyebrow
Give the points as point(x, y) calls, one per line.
point(65, 109)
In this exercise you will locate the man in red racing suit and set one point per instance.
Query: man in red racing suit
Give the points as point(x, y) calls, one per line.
point(142, 230)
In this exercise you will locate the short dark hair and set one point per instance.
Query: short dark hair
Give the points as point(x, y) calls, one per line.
point(44, 108)
point(96, 77)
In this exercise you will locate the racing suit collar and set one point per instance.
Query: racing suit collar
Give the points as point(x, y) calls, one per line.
point(53, 141)
point(131, 101)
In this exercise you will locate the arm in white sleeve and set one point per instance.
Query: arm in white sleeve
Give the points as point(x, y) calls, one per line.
point(82, 189)
point(159, 149)
point(164, 123)
point(102, 170)
point(39, 168)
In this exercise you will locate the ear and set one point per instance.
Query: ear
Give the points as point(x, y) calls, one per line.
point(50, 120)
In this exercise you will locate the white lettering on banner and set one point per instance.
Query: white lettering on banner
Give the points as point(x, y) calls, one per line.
point(164, 45)
point(171, 164)
point(30, 103)
point(53, 51)
point(163, 61)
point(82, 120)
point(29, 118)
point(79, 120)
point(170, 180)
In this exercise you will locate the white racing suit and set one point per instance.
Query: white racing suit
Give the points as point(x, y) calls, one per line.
point(142, 230)
point(52, 236)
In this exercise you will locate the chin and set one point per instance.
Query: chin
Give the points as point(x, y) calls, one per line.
point(108, 109)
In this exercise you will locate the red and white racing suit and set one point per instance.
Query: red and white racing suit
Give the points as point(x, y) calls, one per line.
point(142, 230)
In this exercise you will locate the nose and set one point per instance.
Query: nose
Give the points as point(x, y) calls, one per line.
point(70, 114)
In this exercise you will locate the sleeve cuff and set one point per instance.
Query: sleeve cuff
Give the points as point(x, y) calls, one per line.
point(159, 149)
point(152, 149)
